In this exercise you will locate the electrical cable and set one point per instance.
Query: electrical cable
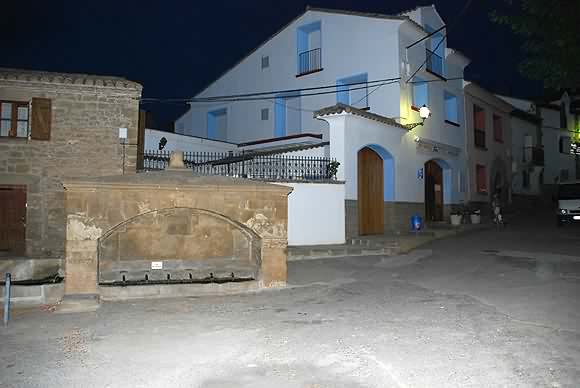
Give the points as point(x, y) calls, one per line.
point(431, 52)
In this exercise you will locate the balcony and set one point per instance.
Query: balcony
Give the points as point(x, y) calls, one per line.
point(434, 63)
point(533, 156)
point(309, 62)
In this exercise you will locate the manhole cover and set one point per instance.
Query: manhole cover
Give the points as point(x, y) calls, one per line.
point(490, 251)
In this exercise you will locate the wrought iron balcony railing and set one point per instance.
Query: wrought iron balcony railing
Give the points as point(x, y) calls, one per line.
point(309, 61)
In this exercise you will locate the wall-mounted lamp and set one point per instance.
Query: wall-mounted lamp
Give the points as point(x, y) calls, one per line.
point(424, 113)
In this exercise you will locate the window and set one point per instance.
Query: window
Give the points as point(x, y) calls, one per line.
point(420, 93)
point(451, 114)
point(13, 119)
point(481, 176)
point(563, 175)
point(217, 124)
point(435, 52)
point(525, 179)
point(479, 126)
point(265, 114)
point(497, 129)
point(309, 44)
point(564, 145)
point(287, 115)
point(350, 94)
point(265, 62)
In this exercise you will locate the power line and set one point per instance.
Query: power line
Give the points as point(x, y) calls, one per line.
point(286, 91)
point(430, 53)
point(426, 37)
point(271, 97)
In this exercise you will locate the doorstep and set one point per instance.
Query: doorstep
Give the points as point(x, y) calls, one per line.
point(389, 244)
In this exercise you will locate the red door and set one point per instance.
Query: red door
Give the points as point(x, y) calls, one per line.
point(12, 220)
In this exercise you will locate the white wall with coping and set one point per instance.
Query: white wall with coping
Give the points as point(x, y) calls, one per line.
point(179, 142)
point(350, 133)
point(316, 213)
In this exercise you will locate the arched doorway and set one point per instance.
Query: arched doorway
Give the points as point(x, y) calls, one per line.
point(376, 184)
point(433, 191)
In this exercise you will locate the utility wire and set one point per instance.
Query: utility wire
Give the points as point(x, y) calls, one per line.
point(426, 37)
point(287, 91)
point(271, 97)
point(431, 52)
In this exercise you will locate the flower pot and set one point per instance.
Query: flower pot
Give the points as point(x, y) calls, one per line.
point(475, 218)
point(456, 219)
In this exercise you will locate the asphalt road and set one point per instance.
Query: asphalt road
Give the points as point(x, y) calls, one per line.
point(489, 309)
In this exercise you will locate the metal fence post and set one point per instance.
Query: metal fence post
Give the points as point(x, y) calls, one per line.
point(7, 290)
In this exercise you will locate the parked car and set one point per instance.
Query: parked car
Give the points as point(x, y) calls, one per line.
point(568, 197)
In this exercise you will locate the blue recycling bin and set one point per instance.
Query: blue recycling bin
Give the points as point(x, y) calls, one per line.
point(416, 223)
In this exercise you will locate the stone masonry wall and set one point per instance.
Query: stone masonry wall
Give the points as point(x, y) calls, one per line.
point(84, 141)
point(397, 216)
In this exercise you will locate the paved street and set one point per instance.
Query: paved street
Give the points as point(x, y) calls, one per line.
point(493, 308)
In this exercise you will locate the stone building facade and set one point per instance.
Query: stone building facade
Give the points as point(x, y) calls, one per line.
point(56, 126)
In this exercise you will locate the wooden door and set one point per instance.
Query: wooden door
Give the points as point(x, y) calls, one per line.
point(433, 191)
point(12, 220)
point(370, 192)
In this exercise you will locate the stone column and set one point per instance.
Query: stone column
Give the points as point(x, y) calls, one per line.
point(274, 262)
point(81, 286)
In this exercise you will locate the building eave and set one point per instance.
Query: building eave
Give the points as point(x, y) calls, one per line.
point(76, 79)
point(342, 108)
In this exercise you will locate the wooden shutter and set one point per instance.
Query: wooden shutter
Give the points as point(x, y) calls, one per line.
point(41, 119)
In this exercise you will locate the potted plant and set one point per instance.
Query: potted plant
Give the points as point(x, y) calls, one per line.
point(475, 216)
point(332, 169)
point(456, 217)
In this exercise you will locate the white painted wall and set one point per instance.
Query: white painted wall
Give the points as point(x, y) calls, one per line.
point(316, 213)
point(350, 45)
point(184, 143)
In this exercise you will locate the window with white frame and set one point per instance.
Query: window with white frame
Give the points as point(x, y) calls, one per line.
point(13, 119)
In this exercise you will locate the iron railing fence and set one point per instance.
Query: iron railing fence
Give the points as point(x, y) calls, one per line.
point(262, 167)
point(309, 61)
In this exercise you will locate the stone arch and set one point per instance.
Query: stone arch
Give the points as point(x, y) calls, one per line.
point(193, 242)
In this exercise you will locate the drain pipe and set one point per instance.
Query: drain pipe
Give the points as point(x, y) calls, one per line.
point(7, 285)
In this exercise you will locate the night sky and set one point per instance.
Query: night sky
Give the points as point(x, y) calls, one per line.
point(174, 48)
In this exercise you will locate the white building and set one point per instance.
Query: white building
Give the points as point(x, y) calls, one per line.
point(367, 64)
point(528, 159)
point(488, 144)
point(560, 130)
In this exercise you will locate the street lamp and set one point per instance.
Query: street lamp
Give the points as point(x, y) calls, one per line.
point(424, 113)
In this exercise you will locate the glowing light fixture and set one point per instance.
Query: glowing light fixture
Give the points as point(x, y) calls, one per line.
point(424, 113)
